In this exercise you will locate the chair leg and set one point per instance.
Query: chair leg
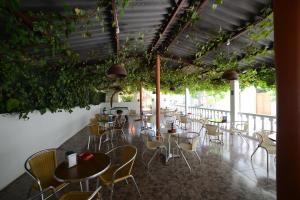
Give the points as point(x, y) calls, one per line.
point(254, 152)
point(197, 155)
point(137, 188)
point(112, 192)
point(243, 138)
point(267, 164)
point(81, 188)
point(89, 141)
point(124, 136)
point(143, 153)
point(166, 151)
point(100, 141)
point(185, 160)
point(148, 165)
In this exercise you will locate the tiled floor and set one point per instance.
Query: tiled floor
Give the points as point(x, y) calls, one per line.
point(225, 172)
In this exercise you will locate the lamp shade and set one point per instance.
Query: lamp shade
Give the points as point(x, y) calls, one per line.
point(172, 88)
point(117, 71)
point(230, 75)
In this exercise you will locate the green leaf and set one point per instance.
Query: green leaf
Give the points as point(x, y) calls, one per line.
point(12, 104)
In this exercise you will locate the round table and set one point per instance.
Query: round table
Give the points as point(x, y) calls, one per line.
point(84, 170)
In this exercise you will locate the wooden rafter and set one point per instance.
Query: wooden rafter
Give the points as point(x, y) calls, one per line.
point(167, 25)
point(236, 34)
point(170, 40)
point(179, 60)
point(115, 25)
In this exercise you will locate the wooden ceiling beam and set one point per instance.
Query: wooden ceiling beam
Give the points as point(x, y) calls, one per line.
point(171, 39)
point(166, 27)
point(178, 60)
point(237, 34)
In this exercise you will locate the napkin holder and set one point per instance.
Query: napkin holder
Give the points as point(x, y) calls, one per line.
point(71, 158)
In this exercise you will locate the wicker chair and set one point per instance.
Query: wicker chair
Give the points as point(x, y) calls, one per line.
point(121, 170)
point(213, 133)
point(73, 195)
point(96, 131)
point(240, 129)
point(184, 120)
point(189, 144)
point(40, 167)
point(152, 145)
point(265, 143)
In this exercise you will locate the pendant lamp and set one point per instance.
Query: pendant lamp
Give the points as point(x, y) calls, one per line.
point(117, 71)
point(230, 75)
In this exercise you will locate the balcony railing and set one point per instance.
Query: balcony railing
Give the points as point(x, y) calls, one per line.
point(256, 122)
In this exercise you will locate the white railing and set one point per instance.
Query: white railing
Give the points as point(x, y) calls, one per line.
point(256, 122)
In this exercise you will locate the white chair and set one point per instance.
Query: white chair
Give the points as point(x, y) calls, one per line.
point(240, 129)
point(184, 121)
point(267, 144)
point(152, 143)
point(213, 133)
point(188, 143)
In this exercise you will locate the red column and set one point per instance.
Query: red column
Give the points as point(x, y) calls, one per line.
point(287, 57)
point(141, 98)
point(157, 73)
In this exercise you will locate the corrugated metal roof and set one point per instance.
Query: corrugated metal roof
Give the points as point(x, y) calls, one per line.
point(143, 20)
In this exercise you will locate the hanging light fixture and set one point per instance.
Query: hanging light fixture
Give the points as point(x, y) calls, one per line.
point(230, 75)
point(172, 88)
point(117, 71)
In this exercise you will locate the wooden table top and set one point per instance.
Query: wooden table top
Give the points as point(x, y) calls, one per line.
point(84, 170)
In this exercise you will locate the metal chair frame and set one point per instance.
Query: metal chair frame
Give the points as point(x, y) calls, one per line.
point(156, 149)
point(95, 136)
point(36, 179)
point(241, 130)
point(260, 146)
point(121, 167)
point(51, 188)
point(197, 138)
point(217, 135)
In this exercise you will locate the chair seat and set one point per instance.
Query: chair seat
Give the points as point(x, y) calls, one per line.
point(185, 146)
point(271, 149)
point(107, 176)
point(78, 196)
point(215, 134)
point(154, 145)
point(57, 185)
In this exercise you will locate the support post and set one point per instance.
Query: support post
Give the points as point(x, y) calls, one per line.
point(187, 94)
point(157, 73)
point(287, 62)
point(141, 99)
point(234, 102)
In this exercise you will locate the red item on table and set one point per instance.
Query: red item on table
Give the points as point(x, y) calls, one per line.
point(86, 156)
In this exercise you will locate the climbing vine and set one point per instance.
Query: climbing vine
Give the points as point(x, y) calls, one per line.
point(40, 71)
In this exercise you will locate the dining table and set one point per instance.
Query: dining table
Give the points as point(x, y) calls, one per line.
point(171, 139)
point(85, 170)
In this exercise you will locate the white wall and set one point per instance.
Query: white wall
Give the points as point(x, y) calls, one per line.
point(248, 100)
point(21, 138)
